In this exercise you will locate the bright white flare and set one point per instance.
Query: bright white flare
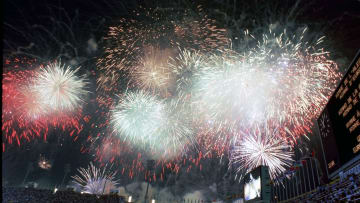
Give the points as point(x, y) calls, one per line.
point(261, 148)
point(58, 88)
point(155, 125)
point(138, 116)
point(280, 79)
point(95, 180)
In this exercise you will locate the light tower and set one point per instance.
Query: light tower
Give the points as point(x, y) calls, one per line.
point(30, 168)
point(67, 169)
point(150, 167)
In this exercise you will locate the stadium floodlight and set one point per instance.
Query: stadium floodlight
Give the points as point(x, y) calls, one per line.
point(150, 166)
point(30, 168)
point(67, 169)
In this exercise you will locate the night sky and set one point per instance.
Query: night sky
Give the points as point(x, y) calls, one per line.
point(338, 20)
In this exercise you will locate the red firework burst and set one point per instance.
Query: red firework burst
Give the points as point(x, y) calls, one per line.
point(23, 116)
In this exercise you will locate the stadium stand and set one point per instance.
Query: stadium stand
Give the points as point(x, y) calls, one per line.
point(345, 190)
point(31, 195)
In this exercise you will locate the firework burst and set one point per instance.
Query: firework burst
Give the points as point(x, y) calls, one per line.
point(44, 163)
point(140, 110)
point(57, 87)
point(184, 67)
point(259, 147)
point(153, 72)
point(128, 41)
point(28, 112)
point(94, 180)
point(282, 80)
point(151, 123)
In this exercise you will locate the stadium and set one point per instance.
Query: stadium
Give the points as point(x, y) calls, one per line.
point(224, 101)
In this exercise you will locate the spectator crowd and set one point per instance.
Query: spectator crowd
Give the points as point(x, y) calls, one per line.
point(32, 195)
point(346, 189)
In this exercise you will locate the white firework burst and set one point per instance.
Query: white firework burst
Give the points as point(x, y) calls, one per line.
point(138, 116)
point(94, 180)
point(58, 88)
point(183, 67)
point(157, 126)
point(281, 79)
point(257, 148)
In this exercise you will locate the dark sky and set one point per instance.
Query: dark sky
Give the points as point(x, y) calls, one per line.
point(339, 20)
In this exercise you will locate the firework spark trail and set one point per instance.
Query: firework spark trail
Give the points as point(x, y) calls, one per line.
point(140, 110)
point(258, 147)
point(281, 82)
point(277, 81)
point(178, 133)
point(109, 147)
point(26, 115)
point(152, 124)
point(130, 160)
point(168, 29)
point(126, 52)
point(183, 67)
point(11, 99)
point(281, 79)
point(94, 180)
